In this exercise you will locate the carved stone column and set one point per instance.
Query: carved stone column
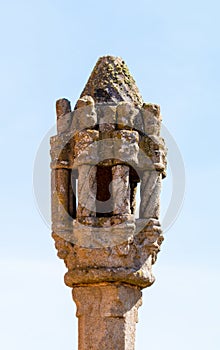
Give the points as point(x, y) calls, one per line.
point(150, 203)
point(104, 147)
point(87, 188)
point(121, 190)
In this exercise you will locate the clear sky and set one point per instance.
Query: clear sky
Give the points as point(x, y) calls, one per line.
point(48, 49)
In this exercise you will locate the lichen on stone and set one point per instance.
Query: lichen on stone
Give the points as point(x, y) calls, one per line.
point(111, 75)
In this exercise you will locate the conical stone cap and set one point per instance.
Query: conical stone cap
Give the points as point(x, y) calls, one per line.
point(111, 82)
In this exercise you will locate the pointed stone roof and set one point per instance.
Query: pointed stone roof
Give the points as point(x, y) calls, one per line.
point(111, 82)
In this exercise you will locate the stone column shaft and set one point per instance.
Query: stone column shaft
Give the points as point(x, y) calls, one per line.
point(60, 195)
point(133, 189)
point(150, 194)
point(121, 190)
point(107, 316)
point(87, 188)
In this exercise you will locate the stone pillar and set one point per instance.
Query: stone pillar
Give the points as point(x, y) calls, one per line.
point(110, 142)
point(60, 198)
point(150, 194)
point(63, 110)
point(107, 316)
point(121, 190)
point(87, 188)
point(60, 177)
point(150, 186)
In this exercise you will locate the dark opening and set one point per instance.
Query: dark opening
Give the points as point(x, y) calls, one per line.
point(72, 194)
point(133, 180)
point(104, 192)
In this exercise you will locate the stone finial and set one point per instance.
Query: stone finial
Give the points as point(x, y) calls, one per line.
point(111, 81)
point(104, 148)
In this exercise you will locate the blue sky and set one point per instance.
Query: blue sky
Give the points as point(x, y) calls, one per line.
point(48, 49)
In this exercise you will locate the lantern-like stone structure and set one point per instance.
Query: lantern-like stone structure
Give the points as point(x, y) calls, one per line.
point(107, 154)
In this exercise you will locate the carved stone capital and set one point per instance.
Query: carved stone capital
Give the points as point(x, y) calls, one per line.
point(153, 153)
point(116, 254)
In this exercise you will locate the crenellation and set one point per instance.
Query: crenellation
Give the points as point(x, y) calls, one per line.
point(106, 119)
point(126, 114)
point(151, 118)
point(64, 115)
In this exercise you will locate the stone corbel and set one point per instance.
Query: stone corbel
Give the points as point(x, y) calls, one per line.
point(149, 238)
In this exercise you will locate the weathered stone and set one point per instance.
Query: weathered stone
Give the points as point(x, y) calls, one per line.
point(107, 315)
point(121, 189)
point(126, 146)
point(61, 219)
point(63, 107)
point(103, 149)
point(106, 151)
point(84, 116)
point(106, 117)
point(138, 122)
point(116, 253)
point(102, 232)
point(152, 119)
point(150, 194)
point(64, 115)
point(107, 221)
point(133, 192)
point(148, 238)
point(126, 114)
point(86, 147)
point(152, 154)
point(87, 188)
point(111, 82)
point(62, 151)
